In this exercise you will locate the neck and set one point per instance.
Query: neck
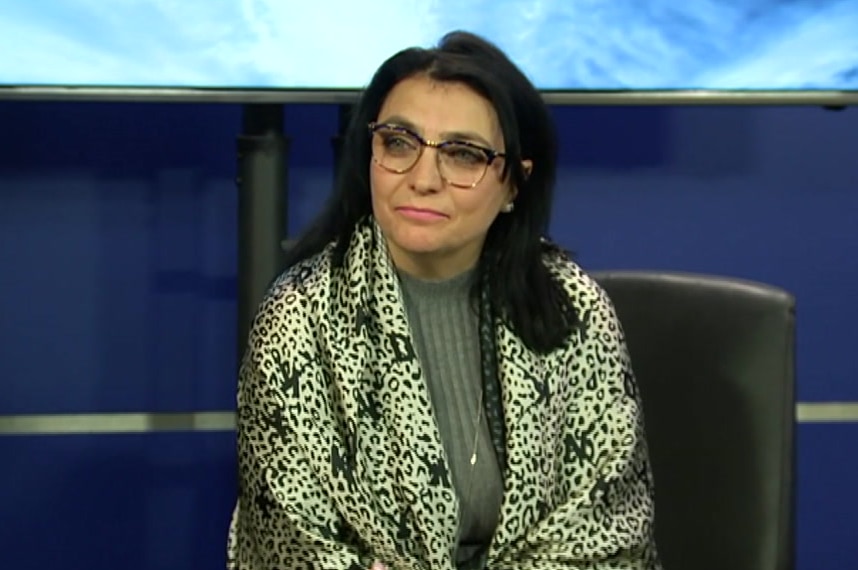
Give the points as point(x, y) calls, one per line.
point(432, 266)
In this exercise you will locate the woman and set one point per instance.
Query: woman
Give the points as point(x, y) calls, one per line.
point(431, 383)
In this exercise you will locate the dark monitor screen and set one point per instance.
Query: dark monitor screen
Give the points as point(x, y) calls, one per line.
point(290, 50)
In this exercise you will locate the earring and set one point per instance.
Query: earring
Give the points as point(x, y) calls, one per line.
point(508, 207)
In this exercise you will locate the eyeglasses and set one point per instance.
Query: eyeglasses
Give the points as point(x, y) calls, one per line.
point(461, 163)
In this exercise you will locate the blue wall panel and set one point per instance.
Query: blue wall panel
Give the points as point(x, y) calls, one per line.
point(827, 513)
point(119, 258)
point(143, 501)
point(763, 193)
point(117, 284)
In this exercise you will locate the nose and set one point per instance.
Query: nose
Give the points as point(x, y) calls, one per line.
point(424, 176)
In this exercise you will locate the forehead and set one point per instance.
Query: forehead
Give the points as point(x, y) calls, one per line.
point(437, 107)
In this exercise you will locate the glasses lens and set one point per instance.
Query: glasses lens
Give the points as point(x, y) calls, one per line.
point(398, 150)
point(394, 149)
point(462, 164)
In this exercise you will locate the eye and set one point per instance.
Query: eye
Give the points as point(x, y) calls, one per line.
point(396, 142)
point(464, 155)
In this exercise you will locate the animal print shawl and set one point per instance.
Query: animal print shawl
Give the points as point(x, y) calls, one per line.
point(341, 462)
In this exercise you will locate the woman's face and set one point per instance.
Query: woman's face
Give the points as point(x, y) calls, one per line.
point(434, 229)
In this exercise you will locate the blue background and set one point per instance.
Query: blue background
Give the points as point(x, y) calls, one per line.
point(118, 279)
point(562, 44)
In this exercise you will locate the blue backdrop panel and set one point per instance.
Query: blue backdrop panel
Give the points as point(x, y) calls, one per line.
point(827, 523)
point(763, 193)
point(101, 502)
point(119, 279)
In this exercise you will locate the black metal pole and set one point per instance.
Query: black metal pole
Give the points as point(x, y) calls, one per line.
point(262, 203)
point(344, 113)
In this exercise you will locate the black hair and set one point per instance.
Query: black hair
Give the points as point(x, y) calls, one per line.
point(522, 289)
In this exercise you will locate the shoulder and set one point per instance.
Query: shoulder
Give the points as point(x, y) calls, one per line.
point(585, 294)
point(597, 328)
point(293, 298)
point(597, 343)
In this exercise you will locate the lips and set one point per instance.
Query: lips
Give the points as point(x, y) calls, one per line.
point(424, 214)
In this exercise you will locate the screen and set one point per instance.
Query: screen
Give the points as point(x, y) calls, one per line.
point(336, 45)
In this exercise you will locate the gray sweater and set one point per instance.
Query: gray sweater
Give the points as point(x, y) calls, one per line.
point(444, 325)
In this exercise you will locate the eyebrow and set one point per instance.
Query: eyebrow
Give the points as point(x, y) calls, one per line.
point(445, 136)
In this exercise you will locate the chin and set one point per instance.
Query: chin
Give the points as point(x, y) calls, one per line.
point(416, 240)
point(417, 246)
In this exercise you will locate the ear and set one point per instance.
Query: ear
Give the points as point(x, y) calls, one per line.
point(512, 193)
point(527, 166)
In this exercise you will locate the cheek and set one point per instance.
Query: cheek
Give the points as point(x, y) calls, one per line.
point(373, 181)
point(380, 184)
point(381, 191)
point(482, 203)
point(376, 189)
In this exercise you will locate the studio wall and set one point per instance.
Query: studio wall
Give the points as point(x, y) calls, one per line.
point(118, 283)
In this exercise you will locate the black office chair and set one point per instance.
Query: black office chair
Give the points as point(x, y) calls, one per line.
point(714, 361)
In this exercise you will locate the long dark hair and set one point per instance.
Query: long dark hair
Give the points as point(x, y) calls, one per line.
point(522, 290)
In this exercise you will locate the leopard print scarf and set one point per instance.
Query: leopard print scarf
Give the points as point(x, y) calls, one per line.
point(341, 462)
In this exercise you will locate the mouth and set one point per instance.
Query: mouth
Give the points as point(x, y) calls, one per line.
point(424, 214)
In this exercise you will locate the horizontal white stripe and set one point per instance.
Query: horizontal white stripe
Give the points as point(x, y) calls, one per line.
point(116, 423)
point(34, 424)
point(818, 412)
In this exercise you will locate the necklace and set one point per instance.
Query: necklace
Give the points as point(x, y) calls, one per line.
point(465, 497)
point(477, 426)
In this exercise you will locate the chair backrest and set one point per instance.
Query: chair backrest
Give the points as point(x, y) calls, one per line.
point(714, 359)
